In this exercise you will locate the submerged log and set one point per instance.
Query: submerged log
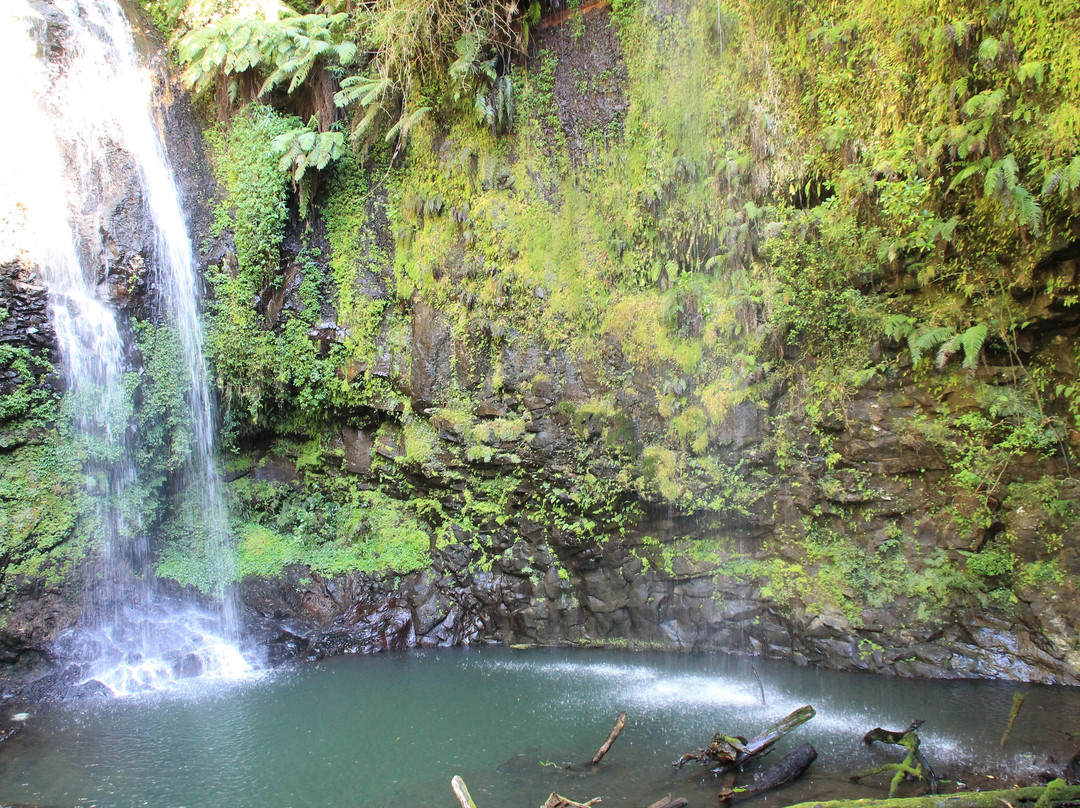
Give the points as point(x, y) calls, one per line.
point(914, 765)
point(727, 752)
point(620, 722)
point(1016, 797)
point(1018, 702)
point(790, 767)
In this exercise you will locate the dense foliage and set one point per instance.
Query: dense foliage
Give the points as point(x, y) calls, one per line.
point(749, 211)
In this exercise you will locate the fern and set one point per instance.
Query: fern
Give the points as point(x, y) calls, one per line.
point(363, 90)
point(474, 76)
point(503, 103)
point(1035, 71)
point(305, 148)
point(286, 49)
point(947, 341)
point(968, 171)
point(405, 123)
point(927, 340)
point(947, 349)
point(899, 326)
point(528, 20)
point(972, 340)
point(1025, 209)
point(1001, 178)
point(1064, 179)
point(989, 49)
point(986, 104)
point(1070, 178)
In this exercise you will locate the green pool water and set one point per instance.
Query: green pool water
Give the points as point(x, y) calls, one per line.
point(392, 729)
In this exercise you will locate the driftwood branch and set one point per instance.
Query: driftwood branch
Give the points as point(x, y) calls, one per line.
point(1016, 797)
point(555, 801)
point(620, 722)
point(727, 752)
point(913, 766)
point(461, 792)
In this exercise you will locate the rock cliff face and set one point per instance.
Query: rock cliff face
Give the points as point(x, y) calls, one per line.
point(851, 538)
point(653, 586)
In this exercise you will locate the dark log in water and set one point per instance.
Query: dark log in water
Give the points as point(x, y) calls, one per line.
point(1030, 797)
point(729, 752)
point(913, 766)
point(790, 767)
point(620, 722)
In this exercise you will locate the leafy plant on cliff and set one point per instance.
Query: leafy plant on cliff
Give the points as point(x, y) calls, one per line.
point(304, 151)
point(403, 50)
point(286, 49)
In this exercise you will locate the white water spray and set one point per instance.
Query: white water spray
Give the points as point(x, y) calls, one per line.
point(80, 116)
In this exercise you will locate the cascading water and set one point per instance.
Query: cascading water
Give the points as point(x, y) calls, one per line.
point(84, 122)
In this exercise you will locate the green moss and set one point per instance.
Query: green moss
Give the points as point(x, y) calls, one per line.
point(41, 499)
point(42, 486)
point(421, 443)
point(326, 523)
point(263, 553)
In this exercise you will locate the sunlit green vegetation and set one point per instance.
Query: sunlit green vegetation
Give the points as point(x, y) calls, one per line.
point(791, 204)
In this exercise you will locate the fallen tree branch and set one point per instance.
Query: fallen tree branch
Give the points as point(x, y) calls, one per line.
point(760, 684)
point(728, 752)
point(461, 792)
point(1016, 797)
point(620, 722)
point(556, 801)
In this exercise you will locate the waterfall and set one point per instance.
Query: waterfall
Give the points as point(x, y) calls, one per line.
point(80, 123)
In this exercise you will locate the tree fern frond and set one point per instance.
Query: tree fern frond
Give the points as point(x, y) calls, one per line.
point(346, 53)
point(405, 123)
point(993, 183)
point(365, 126)
point(1009, 170)
point(989, 49)
point(1035, 70)
point(363, 90)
